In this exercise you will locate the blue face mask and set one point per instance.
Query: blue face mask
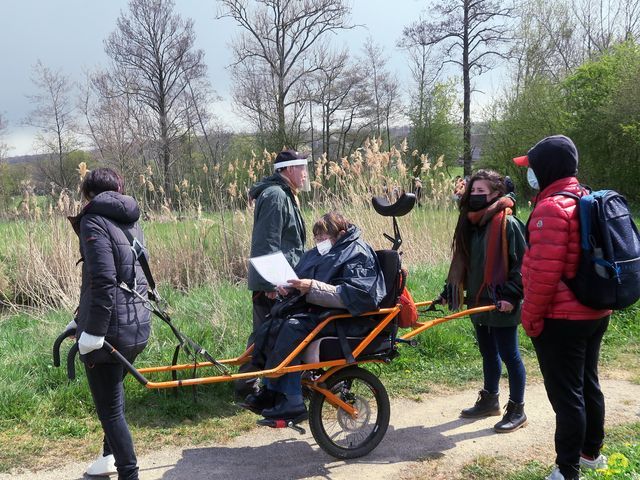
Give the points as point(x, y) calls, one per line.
point(532, 179)
point(324, 246)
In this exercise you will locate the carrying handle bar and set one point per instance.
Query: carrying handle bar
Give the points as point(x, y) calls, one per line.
point(56, 345)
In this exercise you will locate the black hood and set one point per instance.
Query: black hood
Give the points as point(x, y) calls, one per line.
point(275, 179)
point(115, 206)
point(553, 158)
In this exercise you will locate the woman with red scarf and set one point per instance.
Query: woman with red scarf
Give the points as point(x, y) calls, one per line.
point(488, 246)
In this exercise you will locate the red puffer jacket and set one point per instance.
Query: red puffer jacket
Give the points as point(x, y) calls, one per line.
point(553, 253)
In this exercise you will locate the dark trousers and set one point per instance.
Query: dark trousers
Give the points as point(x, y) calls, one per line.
point(274, 342)
point(105, 383)
point(261, 307)
point(568, 353)
point(497, 345)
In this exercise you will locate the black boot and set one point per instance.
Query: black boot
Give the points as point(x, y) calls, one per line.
point(256, 402)
point(513, 419)
point(286, 407)
point(486, 405)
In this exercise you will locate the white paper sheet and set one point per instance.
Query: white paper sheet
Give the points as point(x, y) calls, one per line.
point(274, 268)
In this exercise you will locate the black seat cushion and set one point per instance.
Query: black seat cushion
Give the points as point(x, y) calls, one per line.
point(391, 270)
point(328, 348)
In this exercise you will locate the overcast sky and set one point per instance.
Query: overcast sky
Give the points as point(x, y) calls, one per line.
point(68, 35)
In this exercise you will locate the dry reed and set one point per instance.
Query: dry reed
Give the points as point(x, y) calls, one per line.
point(190, 246)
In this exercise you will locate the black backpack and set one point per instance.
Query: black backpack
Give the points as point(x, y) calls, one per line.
point(608, 275)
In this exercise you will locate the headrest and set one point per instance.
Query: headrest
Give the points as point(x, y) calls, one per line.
point(401, 207)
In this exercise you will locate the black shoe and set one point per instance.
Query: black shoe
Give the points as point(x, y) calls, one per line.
point(256, 402)
point(245, 386)
point(286, 408)
point(486, 405)
point(513, 419)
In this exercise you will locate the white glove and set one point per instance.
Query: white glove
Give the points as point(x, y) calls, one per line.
point(88, 343)
point(70, 325)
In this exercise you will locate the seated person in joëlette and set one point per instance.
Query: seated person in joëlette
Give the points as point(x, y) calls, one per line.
point(341, 272)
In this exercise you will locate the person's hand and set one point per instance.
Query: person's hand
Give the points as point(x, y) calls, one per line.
point(88, 343)
point(271, 295)
point(284, 291)
point(504, 306)
point(303, 285)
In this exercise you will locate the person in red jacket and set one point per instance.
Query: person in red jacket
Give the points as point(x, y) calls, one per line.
point(566, 334)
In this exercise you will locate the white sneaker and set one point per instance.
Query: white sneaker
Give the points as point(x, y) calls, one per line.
point(555, 475)
point(103, 466)
point(599, 463)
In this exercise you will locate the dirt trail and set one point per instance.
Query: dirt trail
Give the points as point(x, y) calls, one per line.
point(426, 439)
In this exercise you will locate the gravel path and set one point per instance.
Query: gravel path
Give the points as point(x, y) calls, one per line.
point(426, 439)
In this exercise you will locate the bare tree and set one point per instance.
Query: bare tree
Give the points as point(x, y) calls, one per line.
point(605, 22)
point(631, 19)
point(472, 34)
point(384, 87)
point(424, 72)
point(330, 89)
point(154, 59)
point(275, 54)
point(112, 123)
point(356, 116)
point(421, 64)
point(54, 117)
point(556, 36)
point(547, 44)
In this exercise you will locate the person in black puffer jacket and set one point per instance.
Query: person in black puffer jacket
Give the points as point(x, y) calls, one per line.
point(109, 311)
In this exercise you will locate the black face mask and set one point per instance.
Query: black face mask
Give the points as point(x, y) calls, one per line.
point(477, 202)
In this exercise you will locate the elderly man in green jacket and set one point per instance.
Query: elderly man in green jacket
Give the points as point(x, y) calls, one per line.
point(277, 226)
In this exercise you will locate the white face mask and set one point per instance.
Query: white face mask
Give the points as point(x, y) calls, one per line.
point(532, 179)
point(324, 246)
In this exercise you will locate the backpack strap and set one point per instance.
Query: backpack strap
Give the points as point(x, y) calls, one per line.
point(139, 254)
point(563, 193)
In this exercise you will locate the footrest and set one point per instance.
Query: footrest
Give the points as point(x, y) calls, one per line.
point(285, 423)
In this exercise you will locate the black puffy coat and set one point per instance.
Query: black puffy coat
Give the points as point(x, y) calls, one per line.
point(106, 309)
point(351, 264)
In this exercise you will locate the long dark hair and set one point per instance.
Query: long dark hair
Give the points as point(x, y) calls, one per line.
point(462, 234)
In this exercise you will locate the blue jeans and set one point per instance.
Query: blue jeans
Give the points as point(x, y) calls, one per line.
point(105, 383)
point(497, 345)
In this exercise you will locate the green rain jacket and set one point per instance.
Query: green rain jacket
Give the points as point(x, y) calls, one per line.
point(511, 291)
point(277, 225)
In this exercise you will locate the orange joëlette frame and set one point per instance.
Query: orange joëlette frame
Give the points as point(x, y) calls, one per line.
point(333, 365)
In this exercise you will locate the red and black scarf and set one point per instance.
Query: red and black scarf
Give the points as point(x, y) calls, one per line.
point(496, 265)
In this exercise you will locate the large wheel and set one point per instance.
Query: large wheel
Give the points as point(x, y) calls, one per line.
point(336, 432)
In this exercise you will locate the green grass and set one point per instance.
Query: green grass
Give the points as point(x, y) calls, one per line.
point(622, 446)
point(43, 416)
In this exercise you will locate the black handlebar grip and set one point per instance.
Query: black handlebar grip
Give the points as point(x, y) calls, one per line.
point(71, 361)
point(56, 345)
point(125, 363)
